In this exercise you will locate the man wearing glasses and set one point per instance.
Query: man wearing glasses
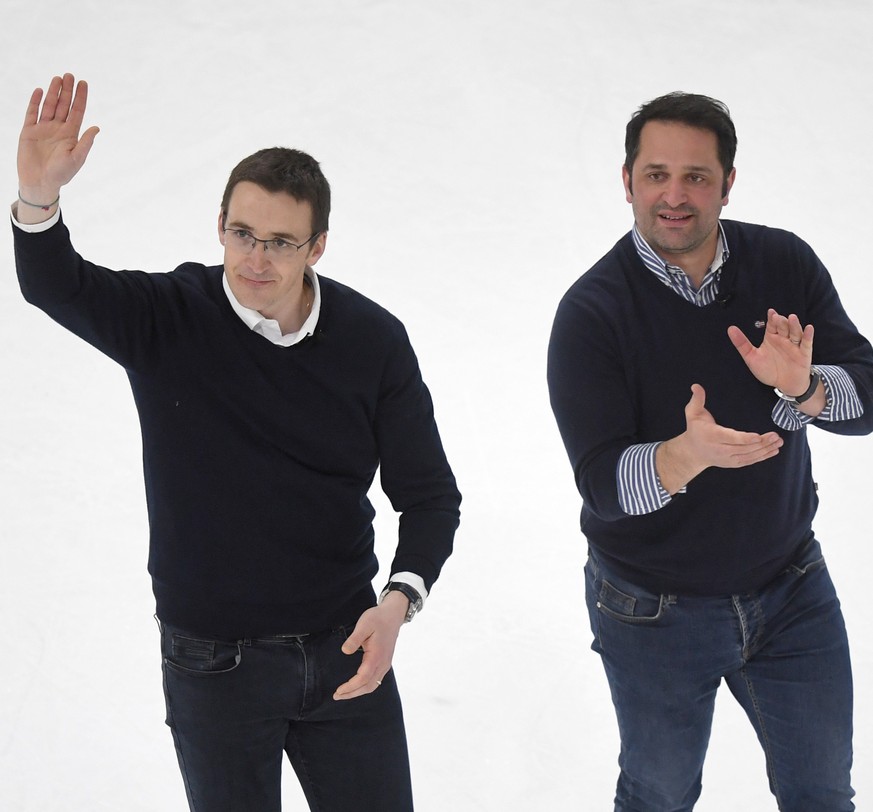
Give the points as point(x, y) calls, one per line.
point(268, 396)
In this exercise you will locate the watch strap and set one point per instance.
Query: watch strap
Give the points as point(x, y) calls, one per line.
point(814, 379)
point(411, 593)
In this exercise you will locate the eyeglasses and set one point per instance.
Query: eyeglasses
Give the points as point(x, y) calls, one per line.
point(243, 240)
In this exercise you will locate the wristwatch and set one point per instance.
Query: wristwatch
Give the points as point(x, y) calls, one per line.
point(415, 602)
point(814, 379)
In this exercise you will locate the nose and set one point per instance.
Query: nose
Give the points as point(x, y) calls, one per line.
point(258, 258)
point(674, 194)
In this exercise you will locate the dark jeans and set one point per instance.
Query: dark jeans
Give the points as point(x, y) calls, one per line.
point(781, 650)
point(235, 706)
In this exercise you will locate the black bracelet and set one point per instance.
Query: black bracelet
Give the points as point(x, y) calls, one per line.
point(814, 379)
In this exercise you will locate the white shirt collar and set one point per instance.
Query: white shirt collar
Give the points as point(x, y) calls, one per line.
point(269, 328)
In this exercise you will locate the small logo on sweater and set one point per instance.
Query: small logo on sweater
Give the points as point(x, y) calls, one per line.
point(759, 324)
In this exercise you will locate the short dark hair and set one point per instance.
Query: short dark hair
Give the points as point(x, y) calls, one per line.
point(280, 169)
point(693, 110)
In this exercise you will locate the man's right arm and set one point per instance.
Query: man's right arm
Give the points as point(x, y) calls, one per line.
point(112, 311)
point(705, 444)
point(650, 474)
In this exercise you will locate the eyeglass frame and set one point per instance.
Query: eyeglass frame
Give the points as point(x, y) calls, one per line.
point(256, 240)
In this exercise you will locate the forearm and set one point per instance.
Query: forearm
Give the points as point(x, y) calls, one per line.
point(676, 464)
point(816, 404)
point(425, 541)
point(48, 267)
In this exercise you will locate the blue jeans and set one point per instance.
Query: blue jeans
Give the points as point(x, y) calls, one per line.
point(234, 706)
point(784, 655)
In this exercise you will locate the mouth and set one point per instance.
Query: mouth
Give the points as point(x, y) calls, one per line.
point(255, 283)
point(675, 218)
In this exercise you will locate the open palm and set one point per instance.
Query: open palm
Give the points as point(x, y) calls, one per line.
point(50, 150)
point(784, 356)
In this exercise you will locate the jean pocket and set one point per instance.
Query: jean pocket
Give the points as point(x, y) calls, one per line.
point(642, 607)
point(809, 560)
point(196, 655)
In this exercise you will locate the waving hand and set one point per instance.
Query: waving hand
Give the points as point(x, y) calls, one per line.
point(50, 149)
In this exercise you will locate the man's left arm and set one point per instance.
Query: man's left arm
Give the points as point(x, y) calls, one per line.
point(376, 633)
point(822, 375)
point(417, 479)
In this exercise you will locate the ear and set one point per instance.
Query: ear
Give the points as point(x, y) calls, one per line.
point(728, 186)
point(317, 249)
point(222, 218)
point(628, 184)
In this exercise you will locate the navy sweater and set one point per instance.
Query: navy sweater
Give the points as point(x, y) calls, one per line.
point(623, 354)
point(258, 458)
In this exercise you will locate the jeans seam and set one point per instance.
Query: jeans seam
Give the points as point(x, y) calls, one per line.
point(765, 739)
point(313, 795)
point(183, 764)
point(749, 643)
point(812, 566)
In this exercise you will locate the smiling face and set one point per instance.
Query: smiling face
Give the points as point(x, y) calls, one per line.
point(677, 189)
point(259, 279)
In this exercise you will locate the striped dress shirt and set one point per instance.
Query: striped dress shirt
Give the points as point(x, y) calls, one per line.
point(639, 486)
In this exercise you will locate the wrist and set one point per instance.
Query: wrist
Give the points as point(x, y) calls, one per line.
point(812, 387)
point(35, 205)
point(39, 195)
point(397, 603)
point(402, 594)
point(674, 464)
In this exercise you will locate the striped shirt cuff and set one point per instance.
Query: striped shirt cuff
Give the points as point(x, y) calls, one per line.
point(639, 487)
point(841, 401)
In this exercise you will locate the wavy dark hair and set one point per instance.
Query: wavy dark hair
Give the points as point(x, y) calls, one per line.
point(693, 110)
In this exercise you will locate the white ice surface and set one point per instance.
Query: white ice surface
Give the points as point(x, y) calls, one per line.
point(474, 152)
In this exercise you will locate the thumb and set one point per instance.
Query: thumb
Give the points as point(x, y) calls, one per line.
point(697, 403)
point(354, 641)
point(83, 147)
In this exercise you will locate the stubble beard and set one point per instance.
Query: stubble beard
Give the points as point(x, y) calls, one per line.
point(661, 239)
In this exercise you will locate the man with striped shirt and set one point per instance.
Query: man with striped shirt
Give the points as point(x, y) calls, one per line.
point(684, 368)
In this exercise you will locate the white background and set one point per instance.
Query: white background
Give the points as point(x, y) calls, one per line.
point(474, 152)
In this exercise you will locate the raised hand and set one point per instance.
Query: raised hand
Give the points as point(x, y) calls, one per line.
point(785, 356)
point(705, 444)
point(50, 149)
